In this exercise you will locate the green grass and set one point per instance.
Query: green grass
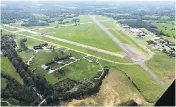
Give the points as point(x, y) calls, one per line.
point(43, 57)
point(9, 28)
point(4, 32)
point(169, 26)
point(126, 39)
point(85, 18)
point(100, 17)
point(3, 83)
point(150, 89)
point(82, 70)
point(163, 67)
point(109, 24)
point(88, 34)
point(26, 55)
point(8, 68)
point(30, 42)
point(120, 35)
point(91, 52)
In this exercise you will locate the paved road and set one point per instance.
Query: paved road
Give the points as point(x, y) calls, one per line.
point(131, 55)
point(128, 34)
point(142, 63)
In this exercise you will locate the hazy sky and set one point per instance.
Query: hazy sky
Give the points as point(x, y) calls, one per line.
point(87, 0)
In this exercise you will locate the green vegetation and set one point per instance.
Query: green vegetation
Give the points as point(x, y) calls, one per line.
point(117, 87)
point(98, 54)
point(163, 67)
point(8, 28)
point(167, 28)
point(110, 24)
point(100, 17)
point(148, 87)
point(43, 57)
point(26, 55)
point(82, 70)
point(7, 68)
point(85, 18)
point(3, 83)
point(126, 39)
point(30, 42)
point(88, 34)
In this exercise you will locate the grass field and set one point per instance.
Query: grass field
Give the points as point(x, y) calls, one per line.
point(149, 88)
point(8, 68)
point(126, 39)
point(30, 42)
point(101, 18)
point(3, 83)
point(98, 54)
point(78, 70)
point(88, 34)
point(163, 67)
point(26, 55)
point(110, 24)
point(5, 32)
point(82, 70)
point(102, 55)
point(9, 28)
point(84, 18)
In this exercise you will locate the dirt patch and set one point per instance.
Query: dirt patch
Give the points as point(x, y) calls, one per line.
point(169, 76)
point(116, 89)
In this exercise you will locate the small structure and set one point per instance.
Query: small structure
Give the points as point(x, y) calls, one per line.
point(44, 67)
point(73, 58)
point(125, 26)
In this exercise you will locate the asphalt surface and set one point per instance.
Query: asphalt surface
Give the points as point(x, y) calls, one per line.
point(130, 54)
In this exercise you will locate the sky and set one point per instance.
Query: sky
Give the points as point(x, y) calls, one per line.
point(87, 0)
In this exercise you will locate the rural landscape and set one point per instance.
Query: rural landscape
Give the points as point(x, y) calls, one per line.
point(56, 53)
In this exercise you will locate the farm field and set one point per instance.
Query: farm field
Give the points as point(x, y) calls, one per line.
point(8, 69)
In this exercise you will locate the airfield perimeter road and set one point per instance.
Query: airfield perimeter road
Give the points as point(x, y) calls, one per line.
point(131, 55)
